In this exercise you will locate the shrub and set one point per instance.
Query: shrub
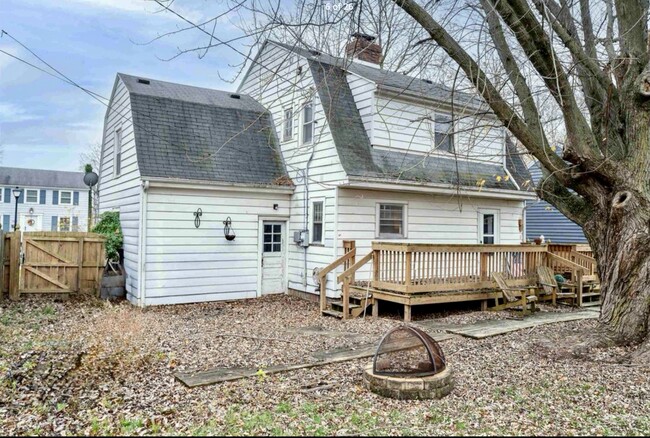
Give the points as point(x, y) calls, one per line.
point(109, 226)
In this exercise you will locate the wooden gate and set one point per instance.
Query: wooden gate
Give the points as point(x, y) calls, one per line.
point(53, 262)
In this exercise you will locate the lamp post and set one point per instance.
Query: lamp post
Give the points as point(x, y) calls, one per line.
point(90, 179)
point(16, 192)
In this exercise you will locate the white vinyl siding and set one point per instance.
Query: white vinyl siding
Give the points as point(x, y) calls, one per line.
point(291, 87)
point(429, 219)
point(185, 264)
point(407, 125)
point(122, 193)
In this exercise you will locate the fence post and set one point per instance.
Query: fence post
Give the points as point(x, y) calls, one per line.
point(2, 264)
point(80, 263)
point(14, 266)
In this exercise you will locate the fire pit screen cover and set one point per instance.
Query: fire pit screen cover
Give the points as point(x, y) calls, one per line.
point(407, 351)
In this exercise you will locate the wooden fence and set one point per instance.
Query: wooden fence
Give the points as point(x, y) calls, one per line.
point(52, 262)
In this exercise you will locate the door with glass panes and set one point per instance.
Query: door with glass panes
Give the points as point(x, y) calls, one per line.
point(273, 250)
point(488, 226)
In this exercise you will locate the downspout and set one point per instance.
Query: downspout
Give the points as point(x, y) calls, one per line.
point(143, 245)
point(305, 177)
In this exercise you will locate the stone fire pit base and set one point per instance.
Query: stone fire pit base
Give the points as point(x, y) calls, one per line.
point(409, 388)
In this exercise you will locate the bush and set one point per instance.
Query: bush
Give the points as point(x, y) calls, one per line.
point(109, 226)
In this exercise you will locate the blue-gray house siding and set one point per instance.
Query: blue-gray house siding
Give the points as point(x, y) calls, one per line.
point(543, 218)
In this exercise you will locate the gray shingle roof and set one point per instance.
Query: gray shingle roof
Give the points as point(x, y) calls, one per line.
point(359, 158)
point(14, 176)
point(186, 132)
point(517, 168)
point(390, 80)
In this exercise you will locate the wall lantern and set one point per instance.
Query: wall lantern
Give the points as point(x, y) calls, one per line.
point(31, 210)
point(197, 217)
point(227, 229)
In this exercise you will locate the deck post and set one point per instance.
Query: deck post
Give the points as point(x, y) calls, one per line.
point(484, 305)
point(484, 263)
point(322, 281)
point(14, 265)
point(375, 266)
point(579, 285)
point(346, 297)
point(407, 313)
point(375, 309)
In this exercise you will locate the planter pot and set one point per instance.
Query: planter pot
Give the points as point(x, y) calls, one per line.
point(113, 284)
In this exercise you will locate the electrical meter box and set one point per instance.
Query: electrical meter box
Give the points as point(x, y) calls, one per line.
point(301, 238)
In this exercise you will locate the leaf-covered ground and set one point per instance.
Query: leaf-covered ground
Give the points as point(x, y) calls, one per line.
point(84, 367)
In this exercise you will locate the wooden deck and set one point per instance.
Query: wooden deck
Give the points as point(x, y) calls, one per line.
point(414, 274)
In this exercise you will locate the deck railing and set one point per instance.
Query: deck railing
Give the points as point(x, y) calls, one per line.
point(412, 268)
point(415, 268)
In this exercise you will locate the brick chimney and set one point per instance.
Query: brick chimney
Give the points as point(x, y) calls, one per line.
point(363, 47)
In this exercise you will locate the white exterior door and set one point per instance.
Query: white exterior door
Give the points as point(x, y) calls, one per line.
point(488, 226)
point(31, 222)
point(273, 257)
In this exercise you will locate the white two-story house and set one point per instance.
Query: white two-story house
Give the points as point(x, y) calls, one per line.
point(234, 195)
point(49, 200)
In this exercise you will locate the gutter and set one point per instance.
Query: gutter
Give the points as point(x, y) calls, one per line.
point(444, 189)
point(183, 183)
point(142, 237)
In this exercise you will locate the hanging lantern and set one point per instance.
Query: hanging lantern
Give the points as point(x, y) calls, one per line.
point(227, 229)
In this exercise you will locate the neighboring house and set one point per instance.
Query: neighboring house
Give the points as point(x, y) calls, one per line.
point(171, 151)
point(311, 151)
point(50, 200)
point(544, 219)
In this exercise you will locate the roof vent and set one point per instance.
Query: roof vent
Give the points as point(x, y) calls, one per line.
point(315, 52)
point(235, 96)
point(144, 81)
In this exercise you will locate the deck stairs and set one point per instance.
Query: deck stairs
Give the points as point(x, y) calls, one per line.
point(357, 304)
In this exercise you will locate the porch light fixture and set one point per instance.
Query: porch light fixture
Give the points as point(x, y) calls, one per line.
point(197, 217)
point(16, 192)
point(227, 229)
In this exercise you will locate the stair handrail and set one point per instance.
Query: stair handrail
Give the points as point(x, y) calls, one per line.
point(322, 275)
point(345, 277)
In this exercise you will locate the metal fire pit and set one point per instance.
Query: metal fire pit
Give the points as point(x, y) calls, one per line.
point(409, 364)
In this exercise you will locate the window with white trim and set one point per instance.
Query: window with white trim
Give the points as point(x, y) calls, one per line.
point(317, 222)
point(117, 162)
point(64, 223)
point(308, 123)
point(391, 220)
point(31, 196)
point(444, 133)
point(287, 131)
point(65, 198)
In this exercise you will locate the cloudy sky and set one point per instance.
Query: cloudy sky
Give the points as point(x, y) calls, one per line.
point(47, 123)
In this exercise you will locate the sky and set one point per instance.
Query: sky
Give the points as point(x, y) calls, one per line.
point(46, 123)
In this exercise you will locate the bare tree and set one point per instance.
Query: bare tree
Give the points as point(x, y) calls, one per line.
point(570, 79)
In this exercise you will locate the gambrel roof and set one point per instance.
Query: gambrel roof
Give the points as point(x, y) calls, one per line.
point(359, 158)
point(185, 132)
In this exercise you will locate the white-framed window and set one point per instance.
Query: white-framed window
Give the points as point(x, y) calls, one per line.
point(444, 133)
point(64, 223)
point(287, 125)
point(488, 226)
point(391, 220)
point(308, 123)
point(65, 197)
point(117, 159)
point(317, 221)
point(31, 196)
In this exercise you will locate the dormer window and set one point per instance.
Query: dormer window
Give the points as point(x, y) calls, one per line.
point(444, 133)
point(308, 123)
